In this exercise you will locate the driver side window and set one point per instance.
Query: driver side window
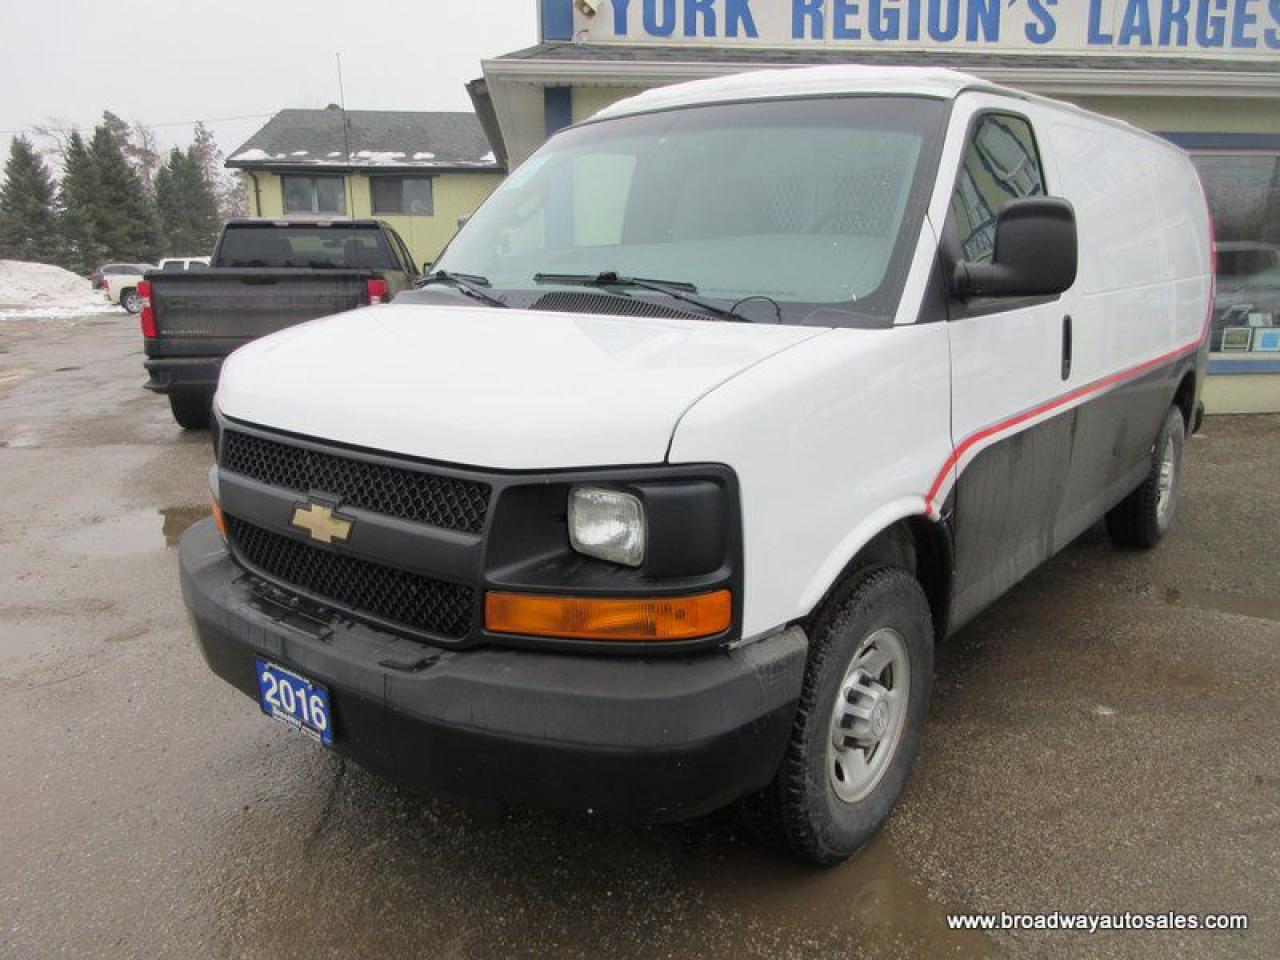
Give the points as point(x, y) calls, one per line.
point(1001, 163)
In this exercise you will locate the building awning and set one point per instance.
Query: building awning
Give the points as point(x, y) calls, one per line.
point(516, 80)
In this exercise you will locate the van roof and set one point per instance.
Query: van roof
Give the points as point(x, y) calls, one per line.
point(782, 83)
point(802, 82)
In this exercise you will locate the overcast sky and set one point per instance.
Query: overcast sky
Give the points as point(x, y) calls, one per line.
point(169, 63)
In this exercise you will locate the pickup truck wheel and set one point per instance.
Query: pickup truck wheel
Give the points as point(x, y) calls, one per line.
point(191, 409)
point(858, 725)
point(131, 300)
point(1141, 519)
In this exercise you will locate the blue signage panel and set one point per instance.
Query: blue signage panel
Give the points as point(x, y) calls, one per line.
point(1199, 28)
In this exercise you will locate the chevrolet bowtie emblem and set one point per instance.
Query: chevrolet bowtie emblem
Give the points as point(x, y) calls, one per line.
point(321, 522)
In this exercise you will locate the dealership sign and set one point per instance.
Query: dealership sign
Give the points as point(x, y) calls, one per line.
point(1215, 28)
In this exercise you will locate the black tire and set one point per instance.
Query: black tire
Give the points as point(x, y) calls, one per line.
point(131, 301)
point(1140, 521)
point(191, 408)
point(801, 810)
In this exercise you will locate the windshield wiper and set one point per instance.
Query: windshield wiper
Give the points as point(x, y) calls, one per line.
point(675, 289)
point(470, 284)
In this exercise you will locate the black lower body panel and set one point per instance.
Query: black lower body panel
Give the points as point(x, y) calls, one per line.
point(172, 374)
point(656, 739)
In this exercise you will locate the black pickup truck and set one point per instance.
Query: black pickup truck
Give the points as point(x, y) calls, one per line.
point(265, 275)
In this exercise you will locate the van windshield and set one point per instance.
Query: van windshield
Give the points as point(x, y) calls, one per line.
point(813, 203)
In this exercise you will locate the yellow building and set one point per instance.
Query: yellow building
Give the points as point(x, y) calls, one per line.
point(421, 172)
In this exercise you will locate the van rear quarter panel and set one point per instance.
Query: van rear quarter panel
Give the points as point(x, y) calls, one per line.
point(833, 440)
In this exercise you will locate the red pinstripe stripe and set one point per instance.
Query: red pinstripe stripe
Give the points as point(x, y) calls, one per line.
point(1097, 385)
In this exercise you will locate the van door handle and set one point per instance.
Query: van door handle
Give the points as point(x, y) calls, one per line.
point(1066, 347)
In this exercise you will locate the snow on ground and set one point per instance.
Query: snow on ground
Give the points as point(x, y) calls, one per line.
point(34, 291)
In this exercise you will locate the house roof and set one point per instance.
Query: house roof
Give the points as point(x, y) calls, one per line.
point(381, 139)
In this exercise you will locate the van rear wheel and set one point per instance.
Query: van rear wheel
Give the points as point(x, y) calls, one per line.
point(859, 722)
point(1142, 519)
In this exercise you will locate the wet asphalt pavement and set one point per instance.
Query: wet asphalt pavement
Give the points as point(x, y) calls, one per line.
point(1104, 739)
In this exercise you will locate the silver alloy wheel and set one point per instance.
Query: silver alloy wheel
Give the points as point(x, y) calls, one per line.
point(870, 714)
point(131, 301)
point(1167, 484)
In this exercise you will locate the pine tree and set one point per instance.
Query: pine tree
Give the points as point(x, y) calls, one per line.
point(187, 205)
point(81, 251)
point(28, 224)
point(122, 213)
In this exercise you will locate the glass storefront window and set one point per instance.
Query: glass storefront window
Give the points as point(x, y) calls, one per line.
point(1244, 197)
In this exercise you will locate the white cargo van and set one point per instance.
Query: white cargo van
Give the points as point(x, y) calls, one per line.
point(719, 413)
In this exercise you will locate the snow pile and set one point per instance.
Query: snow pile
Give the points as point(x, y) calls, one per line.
point(35, 290)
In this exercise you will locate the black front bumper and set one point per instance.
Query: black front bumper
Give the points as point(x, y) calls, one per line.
point(167, 374)
point(662, 738)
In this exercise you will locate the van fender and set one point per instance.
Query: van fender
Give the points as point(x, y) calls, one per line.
point(833, 567)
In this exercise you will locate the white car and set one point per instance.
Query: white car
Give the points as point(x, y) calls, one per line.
point(722, 410)
point(122, 288)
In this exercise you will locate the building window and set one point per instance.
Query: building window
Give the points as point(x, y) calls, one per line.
point(314, 194)
point(1244, 198)
point(411, 196)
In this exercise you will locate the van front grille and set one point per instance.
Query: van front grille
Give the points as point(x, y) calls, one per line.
point(395, 596)
point(408, 494)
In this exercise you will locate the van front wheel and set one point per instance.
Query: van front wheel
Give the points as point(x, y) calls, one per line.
point(858, 725)
point(1141, 519)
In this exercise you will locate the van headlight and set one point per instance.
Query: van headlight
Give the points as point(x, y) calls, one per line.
point(607, 524)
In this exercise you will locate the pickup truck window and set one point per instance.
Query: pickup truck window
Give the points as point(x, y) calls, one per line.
point(812, 203)
point(314, 194)
point(305, 246)
point(403, 252)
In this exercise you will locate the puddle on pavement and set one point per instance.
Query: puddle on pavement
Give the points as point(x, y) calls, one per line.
point(1259, 608)
point(522, 884)
point(178, 519)
point(136, 532)
point(870, 899)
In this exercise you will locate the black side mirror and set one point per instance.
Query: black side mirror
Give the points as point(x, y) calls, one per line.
point(1035, 252)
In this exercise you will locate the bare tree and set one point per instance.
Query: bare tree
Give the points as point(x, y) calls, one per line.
point(51, 138)
point(227, 186)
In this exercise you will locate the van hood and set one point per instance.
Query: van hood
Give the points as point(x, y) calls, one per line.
point(505, 389)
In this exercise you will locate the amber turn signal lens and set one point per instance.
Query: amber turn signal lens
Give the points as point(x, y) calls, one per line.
point(621, 618)
point(218, 518)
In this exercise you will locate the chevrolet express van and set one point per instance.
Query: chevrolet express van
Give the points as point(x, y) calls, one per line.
point(724, 409)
